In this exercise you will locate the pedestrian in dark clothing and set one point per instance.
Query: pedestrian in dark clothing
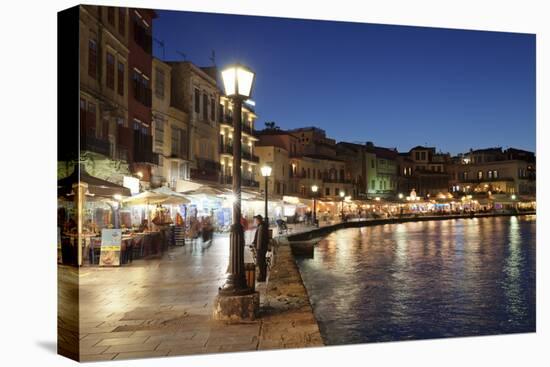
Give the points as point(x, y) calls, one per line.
point(260, 244)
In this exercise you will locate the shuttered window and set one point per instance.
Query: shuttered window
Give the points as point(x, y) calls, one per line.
point(120, 77)
point(110, 62)
point(92, 58)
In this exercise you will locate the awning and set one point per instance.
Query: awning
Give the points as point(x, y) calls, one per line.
point(96, 186)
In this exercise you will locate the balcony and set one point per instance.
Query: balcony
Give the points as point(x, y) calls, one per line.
point(336, 180)
point(247, 129)
point(226, 149)
point(143, 149)
point(250, 157)
point(228, 180)
point(94, 144)
point(206, 170)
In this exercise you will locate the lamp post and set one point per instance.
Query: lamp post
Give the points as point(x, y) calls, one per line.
point(238, 81)
point(266, 172)
point(342, 195)
point(314, 189)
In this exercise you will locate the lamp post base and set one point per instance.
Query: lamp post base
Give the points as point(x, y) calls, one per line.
point(236, 308)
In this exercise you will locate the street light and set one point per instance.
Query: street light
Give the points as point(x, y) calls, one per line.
point(238, 81)
point(314, 189)
point(266, 172)
point(342, 195)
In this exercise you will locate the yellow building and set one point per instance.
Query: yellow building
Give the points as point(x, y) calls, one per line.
point(249, 158)
point(170, 130)
point(103, 89)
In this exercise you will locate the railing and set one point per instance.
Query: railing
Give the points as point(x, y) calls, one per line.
point(250, 183)
point(250, 157)
point(228, 180)
point(91, 143)
point(477, 180)
point(247, 129)
point(336, 180)
point(226, 149)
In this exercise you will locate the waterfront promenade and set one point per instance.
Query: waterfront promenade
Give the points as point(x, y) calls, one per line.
point(163, 306)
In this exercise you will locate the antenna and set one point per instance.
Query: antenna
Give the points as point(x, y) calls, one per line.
point(161, 44)
point(182, 55)
point(213, 58)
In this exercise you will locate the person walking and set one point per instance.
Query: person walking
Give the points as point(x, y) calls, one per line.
point(260, 244)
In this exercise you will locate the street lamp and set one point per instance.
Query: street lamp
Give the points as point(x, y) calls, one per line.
point(314, 189)
point(342, 195)
point(238, 81)
point(266, 172)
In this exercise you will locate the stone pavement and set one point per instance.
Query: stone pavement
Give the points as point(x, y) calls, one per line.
point(163, 307)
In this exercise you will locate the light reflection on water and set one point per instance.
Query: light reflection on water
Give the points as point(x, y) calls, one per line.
point(424, 280)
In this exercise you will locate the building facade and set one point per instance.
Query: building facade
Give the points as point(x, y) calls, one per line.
point(135, 136)
point(195, 91)
point(511, 171)
point(249, 159)
point(170, 131)
point(104, 64)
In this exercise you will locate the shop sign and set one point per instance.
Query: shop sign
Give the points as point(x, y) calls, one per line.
point(111, 240)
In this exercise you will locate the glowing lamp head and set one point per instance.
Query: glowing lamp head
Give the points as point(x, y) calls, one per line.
point(238, 81)
point(266, 171)
point(400, 196)
point(513, 197)
point(342, 194)
point(314, 188)
point(140, 174)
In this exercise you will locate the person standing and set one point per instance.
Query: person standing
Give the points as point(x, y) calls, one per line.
point(260, 244)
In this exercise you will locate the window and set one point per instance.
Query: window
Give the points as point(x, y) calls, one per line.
point(336, 191)
point(159, 133)
point(92, 58)
point(110, 75)
point(142, 92)
point(495, 174)
point(142, 35)
point(83, 113)
point(423, 156)
point(197, 101)
point(479, 175)
point(327, 191)
point(489, 174)
point(417, 156)
point(91, 119)
point(308, 172)
point(121, 122)
point(464, 175)
point(182, 171)
point(120, 77)
point(111, 15)
point(212, 110)
point(175, 142)
point(373, 184)
point(372, 163)
point(159, 83)
point(122, 21)
point(204, 107)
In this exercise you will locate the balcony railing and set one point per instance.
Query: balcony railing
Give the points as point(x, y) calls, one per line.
point(228, 180)
point(226, 149)
point(94, 144)
point(336, 180)
point(250, 157)
point(228, 120)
